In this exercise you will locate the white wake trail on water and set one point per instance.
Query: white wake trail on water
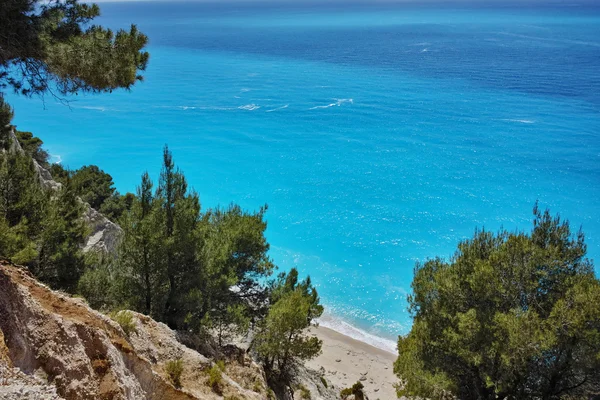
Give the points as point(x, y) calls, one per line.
point(278, 108)
point(520, 121)
point(338, 103)
point(249, 107)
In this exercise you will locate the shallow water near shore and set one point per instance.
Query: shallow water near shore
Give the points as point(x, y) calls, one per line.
point(379, 135)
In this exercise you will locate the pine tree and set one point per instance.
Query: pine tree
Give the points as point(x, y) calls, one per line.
point(32, 146)
point(61, 260)
point(53, 44)
point(141, 254)
point(282, 340)
point(181, 211)
point(22, 208)
point(235, 255)
point(512, 315)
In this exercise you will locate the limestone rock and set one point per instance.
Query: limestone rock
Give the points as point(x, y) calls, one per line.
point(56, 347)
point(105, 234)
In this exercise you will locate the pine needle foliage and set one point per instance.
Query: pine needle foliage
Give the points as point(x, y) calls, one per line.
point(512, 315)
point(53, 46)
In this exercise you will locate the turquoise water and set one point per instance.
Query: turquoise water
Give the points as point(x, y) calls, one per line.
point(379, 135)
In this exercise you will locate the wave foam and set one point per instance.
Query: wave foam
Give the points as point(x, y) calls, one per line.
point(203, 108)
point(333, 323)
point(249, 107)
point(103, 109)
point(55, 159)
point(521, 121)
point(278, 108)
point(338, 103)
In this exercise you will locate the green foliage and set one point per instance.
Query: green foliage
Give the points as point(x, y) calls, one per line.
point(227, 321)
point(21, 197)
point(180, 212)
point(356, 390)
point(59, 173)
point(47, 46)
point(99, 283)
point(117, 205)
point(32, 146)
point(22, 209)
point(324, 382)
point(281, 340)
point(215, 379)
point(61, 261)
point(96, 188)
point(221, 365)
point(174, 369)
point(192, 270)
point(40, 231)
point(512, 315)
point(126, 320)
point(141, 253)
point(92, 185)
point(6, 116)
point(234, 254)
point(257, 387)
point(304, 392)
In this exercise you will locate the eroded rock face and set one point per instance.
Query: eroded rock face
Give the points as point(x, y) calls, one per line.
point(105, 234)
point(64, 349)
point(15, 385)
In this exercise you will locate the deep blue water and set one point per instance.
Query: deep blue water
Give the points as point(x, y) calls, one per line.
point(379, 134)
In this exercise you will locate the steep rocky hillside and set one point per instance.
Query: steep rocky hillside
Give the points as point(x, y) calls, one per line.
point(48, 337)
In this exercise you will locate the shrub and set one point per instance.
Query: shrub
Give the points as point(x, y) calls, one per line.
point(324, 382)
point(100, 366)
point(304, 392)
point(215, 378)
point(221, 365)
point(174, 369)
point(96, 284)
point(356, 390)
point(257, 387)
point(126, 321)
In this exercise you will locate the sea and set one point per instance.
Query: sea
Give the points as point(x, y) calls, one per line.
point(380, 134)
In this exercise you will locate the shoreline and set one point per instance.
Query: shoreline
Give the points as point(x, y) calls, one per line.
point(344, 328)
point(345, 360)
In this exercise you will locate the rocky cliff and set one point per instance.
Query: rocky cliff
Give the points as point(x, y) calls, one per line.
point(53, 346)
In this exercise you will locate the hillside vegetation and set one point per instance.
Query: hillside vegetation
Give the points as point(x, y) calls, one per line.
point(207, 273)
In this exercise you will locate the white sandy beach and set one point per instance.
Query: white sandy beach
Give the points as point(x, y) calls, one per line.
point(346, 360)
